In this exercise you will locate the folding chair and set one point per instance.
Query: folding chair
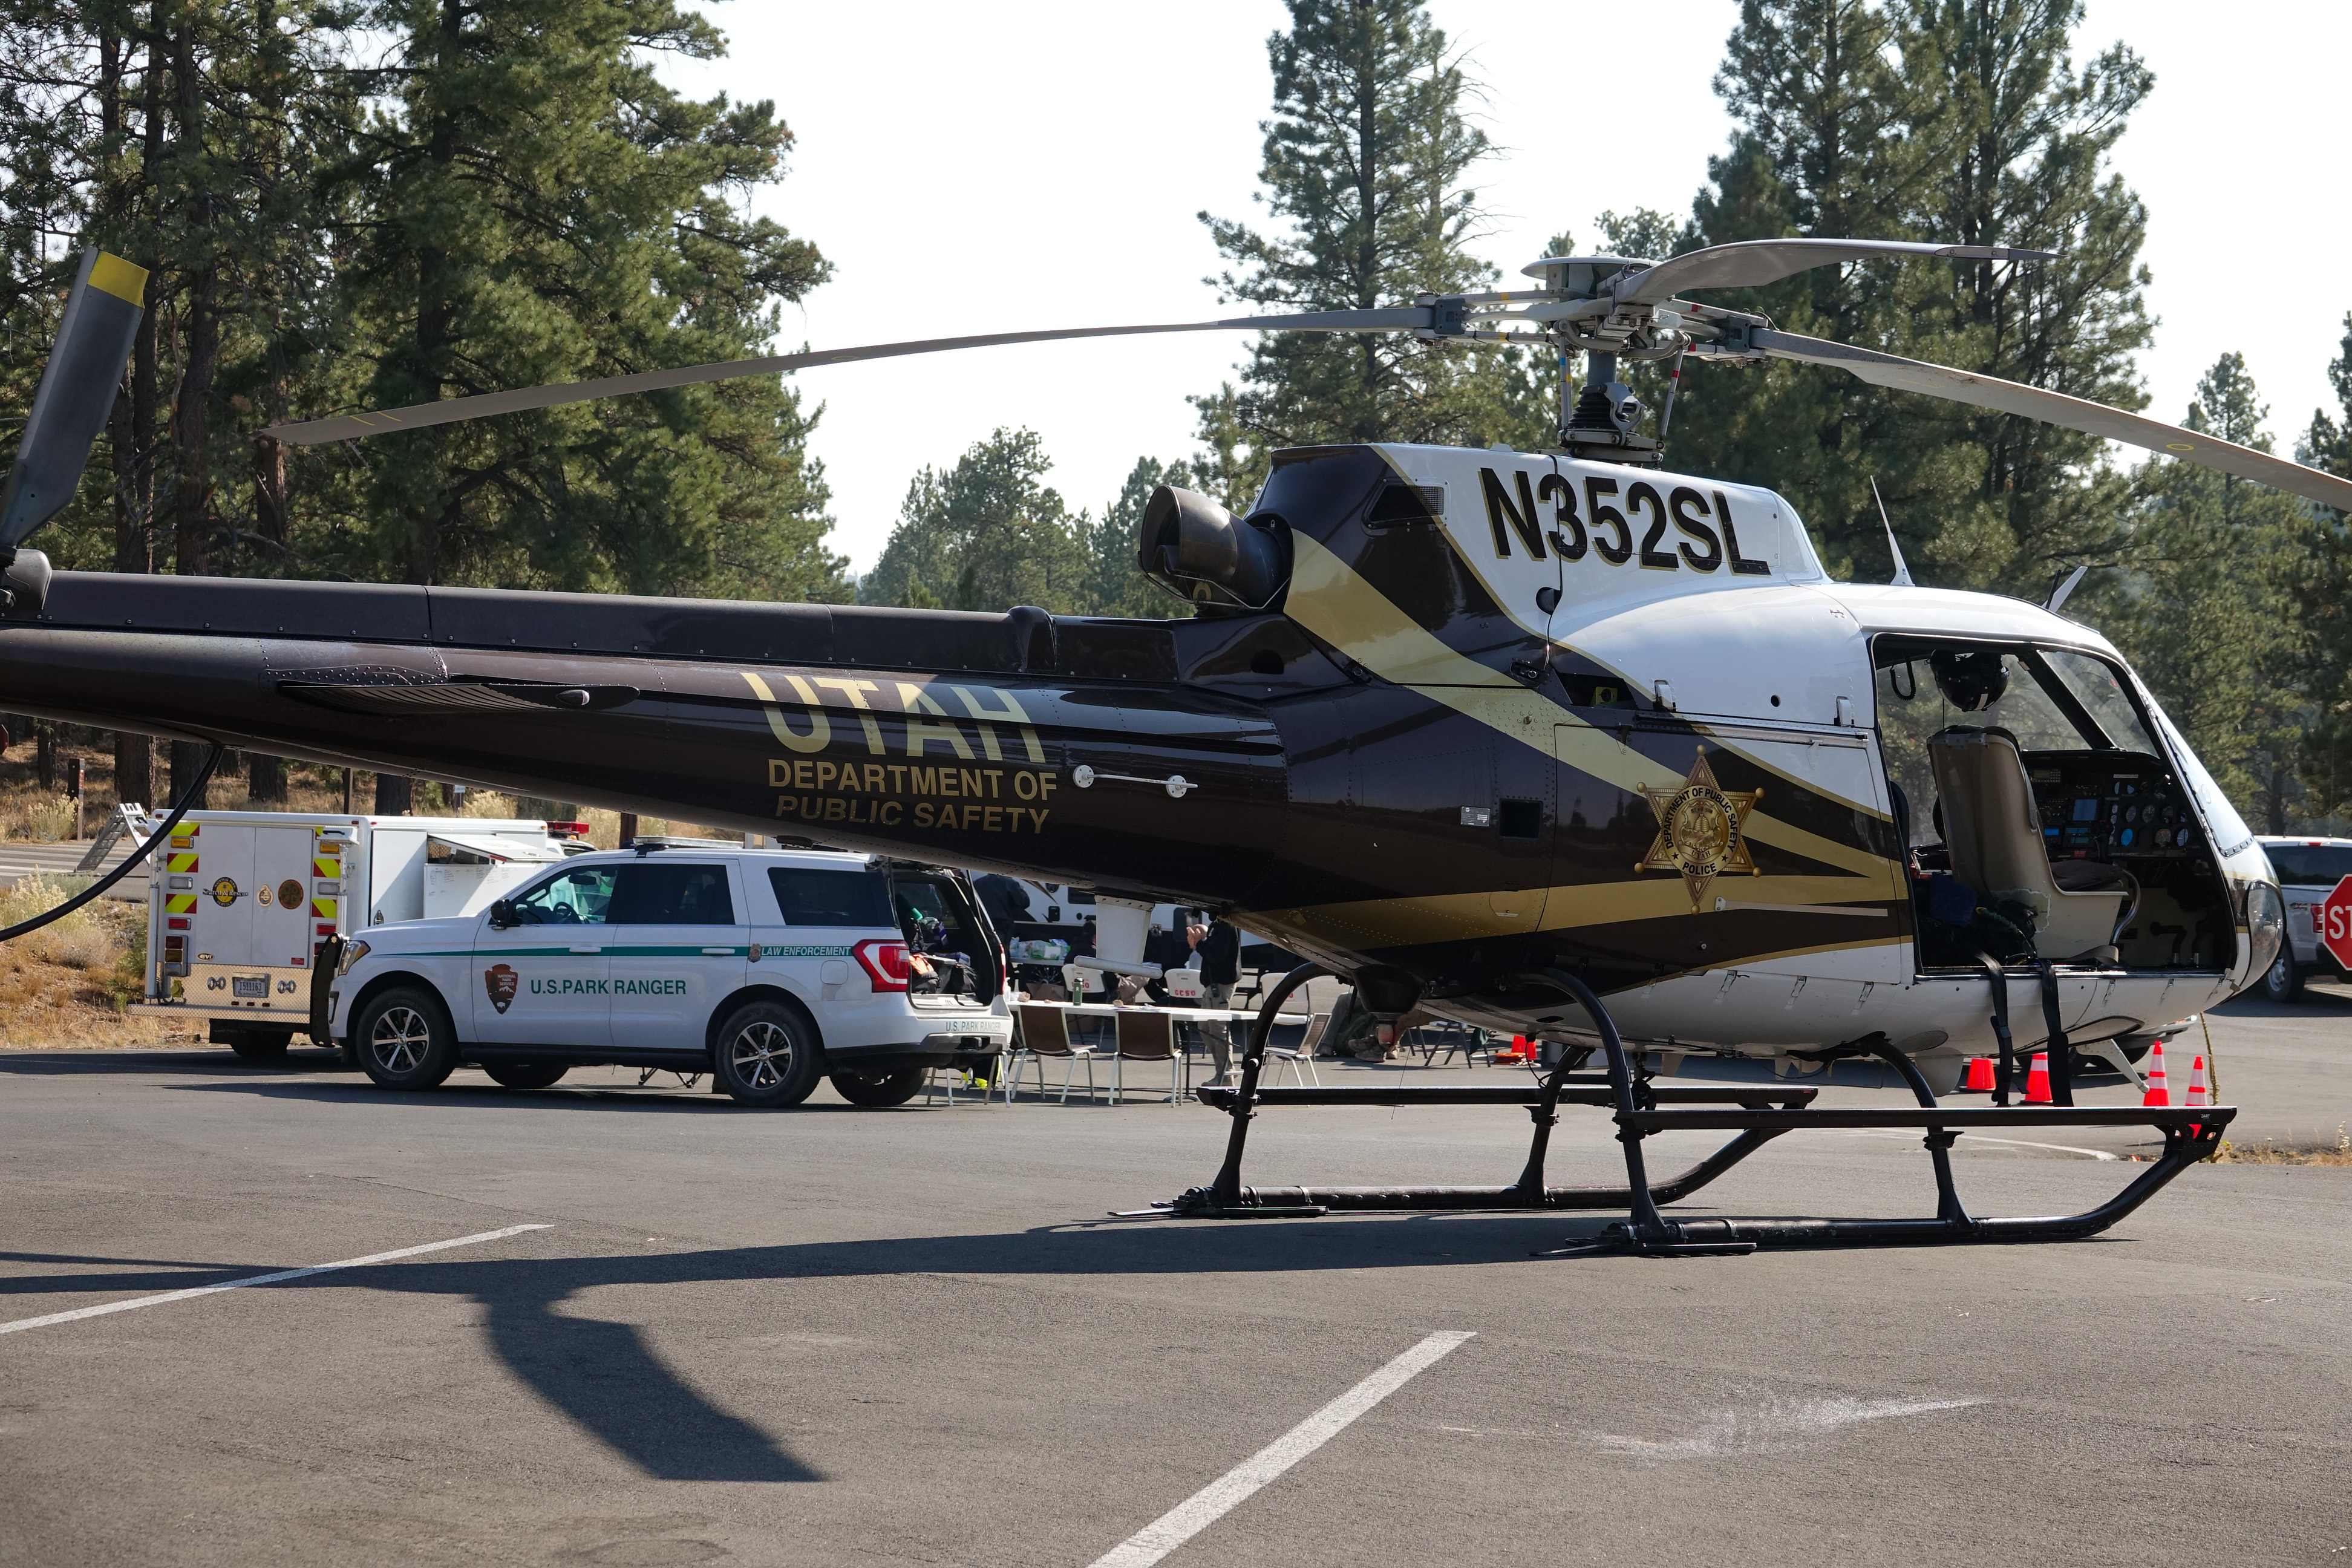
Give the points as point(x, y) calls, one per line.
point(1460, 1037)
point(1046, 1033)
point(1146, 1037)
point(1301, 1056)
point(949, 1078)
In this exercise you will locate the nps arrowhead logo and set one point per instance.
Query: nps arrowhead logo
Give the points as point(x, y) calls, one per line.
point(500, 982)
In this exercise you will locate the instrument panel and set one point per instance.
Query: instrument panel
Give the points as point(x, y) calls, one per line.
point(2107, 806)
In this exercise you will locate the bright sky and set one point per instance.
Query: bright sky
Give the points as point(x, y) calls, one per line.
point(976, 169)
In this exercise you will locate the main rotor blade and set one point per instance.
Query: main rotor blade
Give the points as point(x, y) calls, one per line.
point(352, 427)
point(75, 395)
point(1748, 262)
point(2057, 408)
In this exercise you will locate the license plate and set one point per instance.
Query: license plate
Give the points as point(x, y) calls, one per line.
point(256, 986)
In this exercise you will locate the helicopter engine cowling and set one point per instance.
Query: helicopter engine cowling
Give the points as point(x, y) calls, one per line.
point(1196, 549)
point(23, 584)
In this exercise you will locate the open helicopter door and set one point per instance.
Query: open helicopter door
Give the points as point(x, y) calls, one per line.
point(2063, 836)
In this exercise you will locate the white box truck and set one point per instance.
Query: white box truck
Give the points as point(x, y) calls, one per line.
point(240, 903)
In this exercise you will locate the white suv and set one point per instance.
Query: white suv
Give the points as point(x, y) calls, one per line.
point(769, 968)
point(2308, 870)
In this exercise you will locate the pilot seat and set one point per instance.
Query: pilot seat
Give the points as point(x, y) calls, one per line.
point(1994, 834)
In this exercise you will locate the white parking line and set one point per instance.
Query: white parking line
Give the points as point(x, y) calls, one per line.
point(1228, 1492)
point(137, 1301)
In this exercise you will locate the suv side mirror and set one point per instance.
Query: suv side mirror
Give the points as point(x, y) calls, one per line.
point(502, 914)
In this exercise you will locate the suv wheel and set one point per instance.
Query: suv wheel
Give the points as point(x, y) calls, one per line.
point(879, 1088)
point(405, 1039)
point(526, 1075)
point(767, 1056)
point(2283, 982)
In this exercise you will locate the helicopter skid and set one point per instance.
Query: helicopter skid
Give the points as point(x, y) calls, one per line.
point(1641, 1110)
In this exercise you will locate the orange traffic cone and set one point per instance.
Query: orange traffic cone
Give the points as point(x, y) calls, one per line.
point(2199, 1094)
point(2037, 1080)
point(2160, 1092)
point(1518, 1051)
point(1979, 1078)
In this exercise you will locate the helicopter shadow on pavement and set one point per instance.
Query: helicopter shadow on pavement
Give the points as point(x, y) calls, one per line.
point(611, 1382)
point(612, 1385)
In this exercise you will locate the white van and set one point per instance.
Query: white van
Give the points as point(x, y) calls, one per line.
point(769, 968)
point(238, 903)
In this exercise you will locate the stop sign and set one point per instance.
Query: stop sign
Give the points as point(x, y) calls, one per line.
point(2335, 921)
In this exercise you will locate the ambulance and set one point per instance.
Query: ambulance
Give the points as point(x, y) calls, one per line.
point(240, 903)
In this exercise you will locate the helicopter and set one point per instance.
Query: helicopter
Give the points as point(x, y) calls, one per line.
point(1563, 744)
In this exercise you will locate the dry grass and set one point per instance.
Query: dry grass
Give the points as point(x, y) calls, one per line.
point(69, 983)
point(40, 818)
point(605, 828)
point(488, 803)
point(301, 795)
point(2271, 1152)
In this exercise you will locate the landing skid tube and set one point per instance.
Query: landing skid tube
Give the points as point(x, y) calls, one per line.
point(1756, 1115)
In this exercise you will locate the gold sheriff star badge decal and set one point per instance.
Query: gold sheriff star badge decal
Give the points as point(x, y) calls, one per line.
point(1698, 830)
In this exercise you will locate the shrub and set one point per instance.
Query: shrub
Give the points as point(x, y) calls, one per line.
point(43, 890)
point(48, 819)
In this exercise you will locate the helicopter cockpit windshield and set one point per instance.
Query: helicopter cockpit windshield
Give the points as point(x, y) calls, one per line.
point(2043, 816)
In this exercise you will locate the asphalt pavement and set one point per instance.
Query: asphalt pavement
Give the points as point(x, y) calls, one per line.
point(21, 859)
point(833, 1336)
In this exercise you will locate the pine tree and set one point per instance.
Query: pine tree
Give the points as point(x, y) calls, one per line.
point(1116, 586)
point(2212, 565)
point(538, 207)
point(1365, 161)
point(2324, 598)
point(986, 535)
point(1958, 119)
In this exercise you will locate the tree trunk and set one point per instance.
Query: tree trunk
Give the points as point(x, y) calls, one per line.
point(122, 434)
point(134, 769)
point(135, 539)
point(271, 517)
point(436, 325)
point(395, 796)
point(187, 756)
point(45, 754)
point(192, 477)
point(265, 778)
point(2278, 801)
point(269, 513)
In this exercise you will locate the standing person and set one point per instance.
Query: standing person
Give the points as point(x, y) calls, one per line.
point(1005, 901)
point(1216, 953)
